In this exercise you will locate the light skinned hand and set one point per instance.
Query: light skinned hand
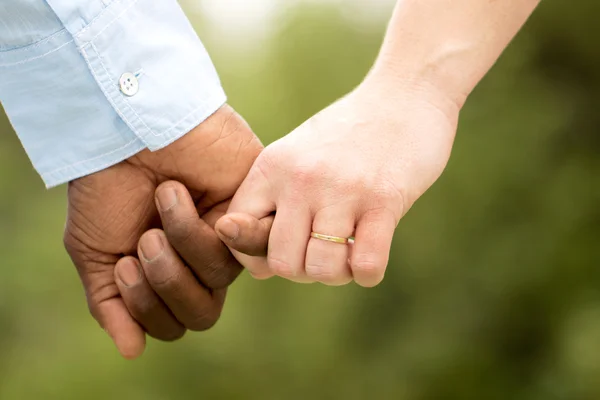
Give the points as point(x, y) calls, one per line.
point(110, 210)
point(358, 166)
point(354, 169)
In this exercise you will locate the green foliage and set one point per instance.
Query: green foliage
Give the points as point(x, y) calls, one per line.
point(493, 291)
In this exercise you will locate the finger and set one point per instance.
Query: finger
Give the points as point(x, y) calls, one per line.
point(195, 241)
point(143, 303)
point(105, 304)
point(212, 215)
point(327, 262)
point(245, 233)
point(193, 305)
point(287, 243)
point(128, 335)
point(255, 198)
point(372, 245)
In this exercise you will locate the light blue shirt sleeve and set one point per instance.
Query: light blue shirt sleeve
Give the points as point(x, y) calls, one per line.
point(89, 83)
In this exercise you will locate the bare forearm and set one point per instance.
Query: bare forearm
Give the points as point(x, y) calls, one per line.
point(448, 44)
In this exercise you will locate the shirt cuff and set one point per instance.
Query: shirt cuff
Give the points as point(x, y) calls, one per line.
point(130, 76)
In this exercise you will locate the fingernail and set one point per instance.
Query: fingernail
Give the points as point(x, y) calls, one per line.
point(151, 247)
point(129, 273)
point(167, 198)
point(229, 229)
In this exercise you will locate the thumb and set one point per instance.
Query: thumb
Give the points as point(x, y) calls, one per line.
point(245, 233)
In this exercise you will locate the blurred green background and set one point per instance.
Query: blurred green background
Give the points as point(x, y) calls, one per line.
point(493, 291)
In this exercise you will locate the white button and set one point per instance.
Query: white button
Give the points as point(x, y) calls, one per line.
point(129, 84)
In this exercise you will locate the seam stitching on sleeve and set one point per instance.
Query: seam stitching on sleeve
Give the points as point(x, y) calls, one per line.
point(35, 45)
point(36, 57)
point(89, 26)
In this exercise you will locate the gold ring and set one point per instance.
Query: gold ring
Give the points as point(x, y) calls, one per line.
point(329, 238)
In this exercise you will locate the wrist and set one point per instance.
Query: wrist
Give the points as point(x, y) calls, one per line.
point(445, 47)
point(396, 84)
point(440, 76)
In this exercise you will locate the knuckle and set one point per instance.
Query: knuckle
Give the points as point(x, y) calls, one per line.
point(142, 308)
point(204, 320)
point(280, 267)
point(180, 230)
point(220, 274)
point(392, 197)
point(380, 196)
point(172, 335)
point(368, 267)
point(271, 155)
point(267, 162)
point(308, 172)
point(303, 176)
point(320, 273)
point(165, 281)
point(382, 211)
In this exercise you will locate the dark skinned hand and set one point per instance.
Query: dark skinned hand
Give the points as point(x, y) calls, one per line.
point(110, 210)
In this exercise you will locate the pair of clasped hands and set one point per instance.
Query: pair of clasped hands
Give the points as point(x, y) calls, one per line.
point(158, 238)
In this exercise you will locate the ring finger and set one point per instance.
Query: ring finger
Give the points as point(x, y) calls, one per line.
point(326, 260)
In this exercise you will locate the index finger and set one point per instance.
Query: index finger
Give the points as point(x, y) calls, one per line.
point(195, 241)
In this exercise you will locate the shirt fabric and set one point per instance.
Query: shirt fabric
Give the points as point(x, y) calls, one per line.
point(60, 66)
